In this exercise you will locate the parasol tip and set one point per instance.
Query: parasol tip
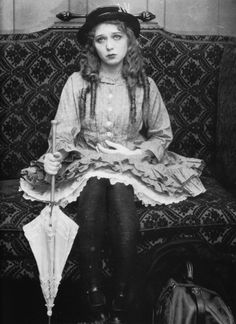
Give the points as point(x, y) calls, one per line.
point(49, 306)
point(49, 313)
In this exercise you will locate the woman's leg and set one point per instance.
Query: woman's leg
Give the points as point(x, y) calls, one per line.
point(124, 228)
point(92, 213)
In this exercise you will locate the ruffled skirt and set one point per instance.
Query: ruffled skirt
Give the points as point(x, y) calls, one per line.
point(171, 181)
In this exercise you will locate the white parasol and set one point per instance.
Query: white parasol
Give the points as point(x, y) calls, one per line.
point(51, 235)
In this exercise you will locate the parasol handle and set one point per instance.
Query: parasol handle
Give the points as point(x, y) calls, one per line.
point(54, 128)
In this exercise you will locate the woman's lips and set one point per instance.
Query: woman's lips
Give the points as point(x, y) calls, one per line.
point(111, 56)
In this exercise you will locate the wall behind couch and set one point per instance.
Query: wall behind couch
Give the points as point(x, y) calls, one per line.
point(184, 16)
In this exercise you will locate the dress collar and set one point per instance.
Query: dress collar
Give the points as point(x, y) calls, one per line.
point(111, 79)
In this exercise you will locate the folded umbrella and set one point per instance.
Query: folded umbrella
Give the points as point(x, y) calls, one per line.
point(51, 236)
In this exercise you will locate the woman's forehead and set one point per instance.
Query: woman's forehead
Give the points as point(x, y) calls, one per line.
point(106, 28)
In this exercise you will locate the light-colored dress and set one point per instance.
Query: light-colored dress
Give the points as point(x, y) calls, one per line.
point(158, 176)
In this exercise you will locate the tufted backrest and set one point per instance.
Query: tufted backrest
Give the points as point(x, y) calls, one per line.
point(34, 68)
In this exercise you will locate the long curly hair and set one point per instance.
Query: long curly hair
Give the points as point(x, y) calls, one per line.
point(132, 71)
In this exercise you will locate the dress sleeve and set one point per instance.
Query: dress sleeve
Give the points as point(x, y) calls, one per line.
point(67, 116)
point(159, 132)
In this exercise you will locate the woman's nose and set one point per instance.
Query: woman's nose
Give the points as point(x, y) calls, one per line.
point(109, 44)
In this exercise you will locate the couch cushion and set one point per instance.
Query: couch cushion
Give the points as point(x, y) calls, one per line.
point(36, 66)
point(210, 217)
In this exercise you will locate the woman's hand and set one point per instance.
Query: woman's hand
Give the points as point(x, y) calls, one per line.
point(118, 148)
point(52, 162)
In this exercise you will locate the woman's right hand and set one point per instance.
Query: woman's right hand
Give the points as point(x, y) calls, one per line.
point(52, 162)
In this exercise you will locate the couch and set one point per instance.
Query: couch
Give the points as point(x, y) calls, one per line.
point(196, 75)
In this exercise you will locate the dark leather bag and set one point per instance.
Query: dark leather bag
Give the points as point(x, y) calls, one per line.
point(188, 303)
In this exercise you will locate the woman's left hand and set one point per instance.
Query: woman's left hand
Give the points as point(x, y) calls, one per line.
point(117, 148)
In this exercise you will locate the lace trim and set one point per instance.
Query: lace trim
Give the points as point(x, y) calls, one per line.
point(68, 194)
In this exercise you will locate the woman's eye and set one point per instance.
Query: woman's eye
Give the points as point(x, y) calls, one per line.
point(117, 37)
point(100, 40)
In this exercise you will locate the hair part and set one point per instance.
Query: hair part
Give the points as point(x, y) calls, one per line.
point(132, 71)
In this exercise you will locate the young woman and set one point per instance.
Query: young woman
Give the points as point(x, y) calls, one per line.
point(112, 138)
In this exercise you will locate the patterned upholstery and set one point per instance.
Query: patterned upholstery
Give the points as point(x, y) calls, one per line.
point(36, 66)
point(226, 134)
point(186, 69)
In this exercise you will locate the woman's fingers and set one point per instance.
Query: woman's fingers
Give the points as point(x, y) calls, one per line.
point(51, 170)
point(104, 149)
point(49, 157)
point(117, 148)
point(51, 163)
point(115, 145)
point(114, 148)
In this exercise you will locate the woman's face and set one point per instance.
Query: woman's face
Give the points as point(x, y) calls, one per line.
point(111, 44)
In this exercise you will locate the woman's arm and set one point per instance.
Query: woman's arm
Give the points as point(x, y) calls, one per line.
point(159, 133)
point(68, 126)
point(67, 117)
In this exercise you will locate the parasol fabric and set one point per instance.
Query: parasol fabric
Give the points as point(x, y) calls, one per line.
point(51, 236)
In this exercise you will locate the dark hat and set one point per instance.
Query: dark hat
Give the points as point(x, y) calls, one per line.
point(103, 14)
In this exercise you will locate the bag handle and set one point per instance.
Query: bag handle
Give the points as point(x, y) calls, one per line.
point(197, 294)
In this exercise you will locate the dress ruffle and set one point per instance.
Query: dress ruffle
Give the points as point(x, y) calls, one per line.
point(172, 180)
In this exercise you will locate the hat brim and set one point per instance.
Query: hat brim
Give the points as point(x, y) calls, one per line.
point(131, 21)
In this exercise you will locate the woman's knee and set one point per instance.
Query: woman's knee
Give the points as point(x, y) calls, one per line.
point(94, 188)
point(94, 182)
point(92, 200)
